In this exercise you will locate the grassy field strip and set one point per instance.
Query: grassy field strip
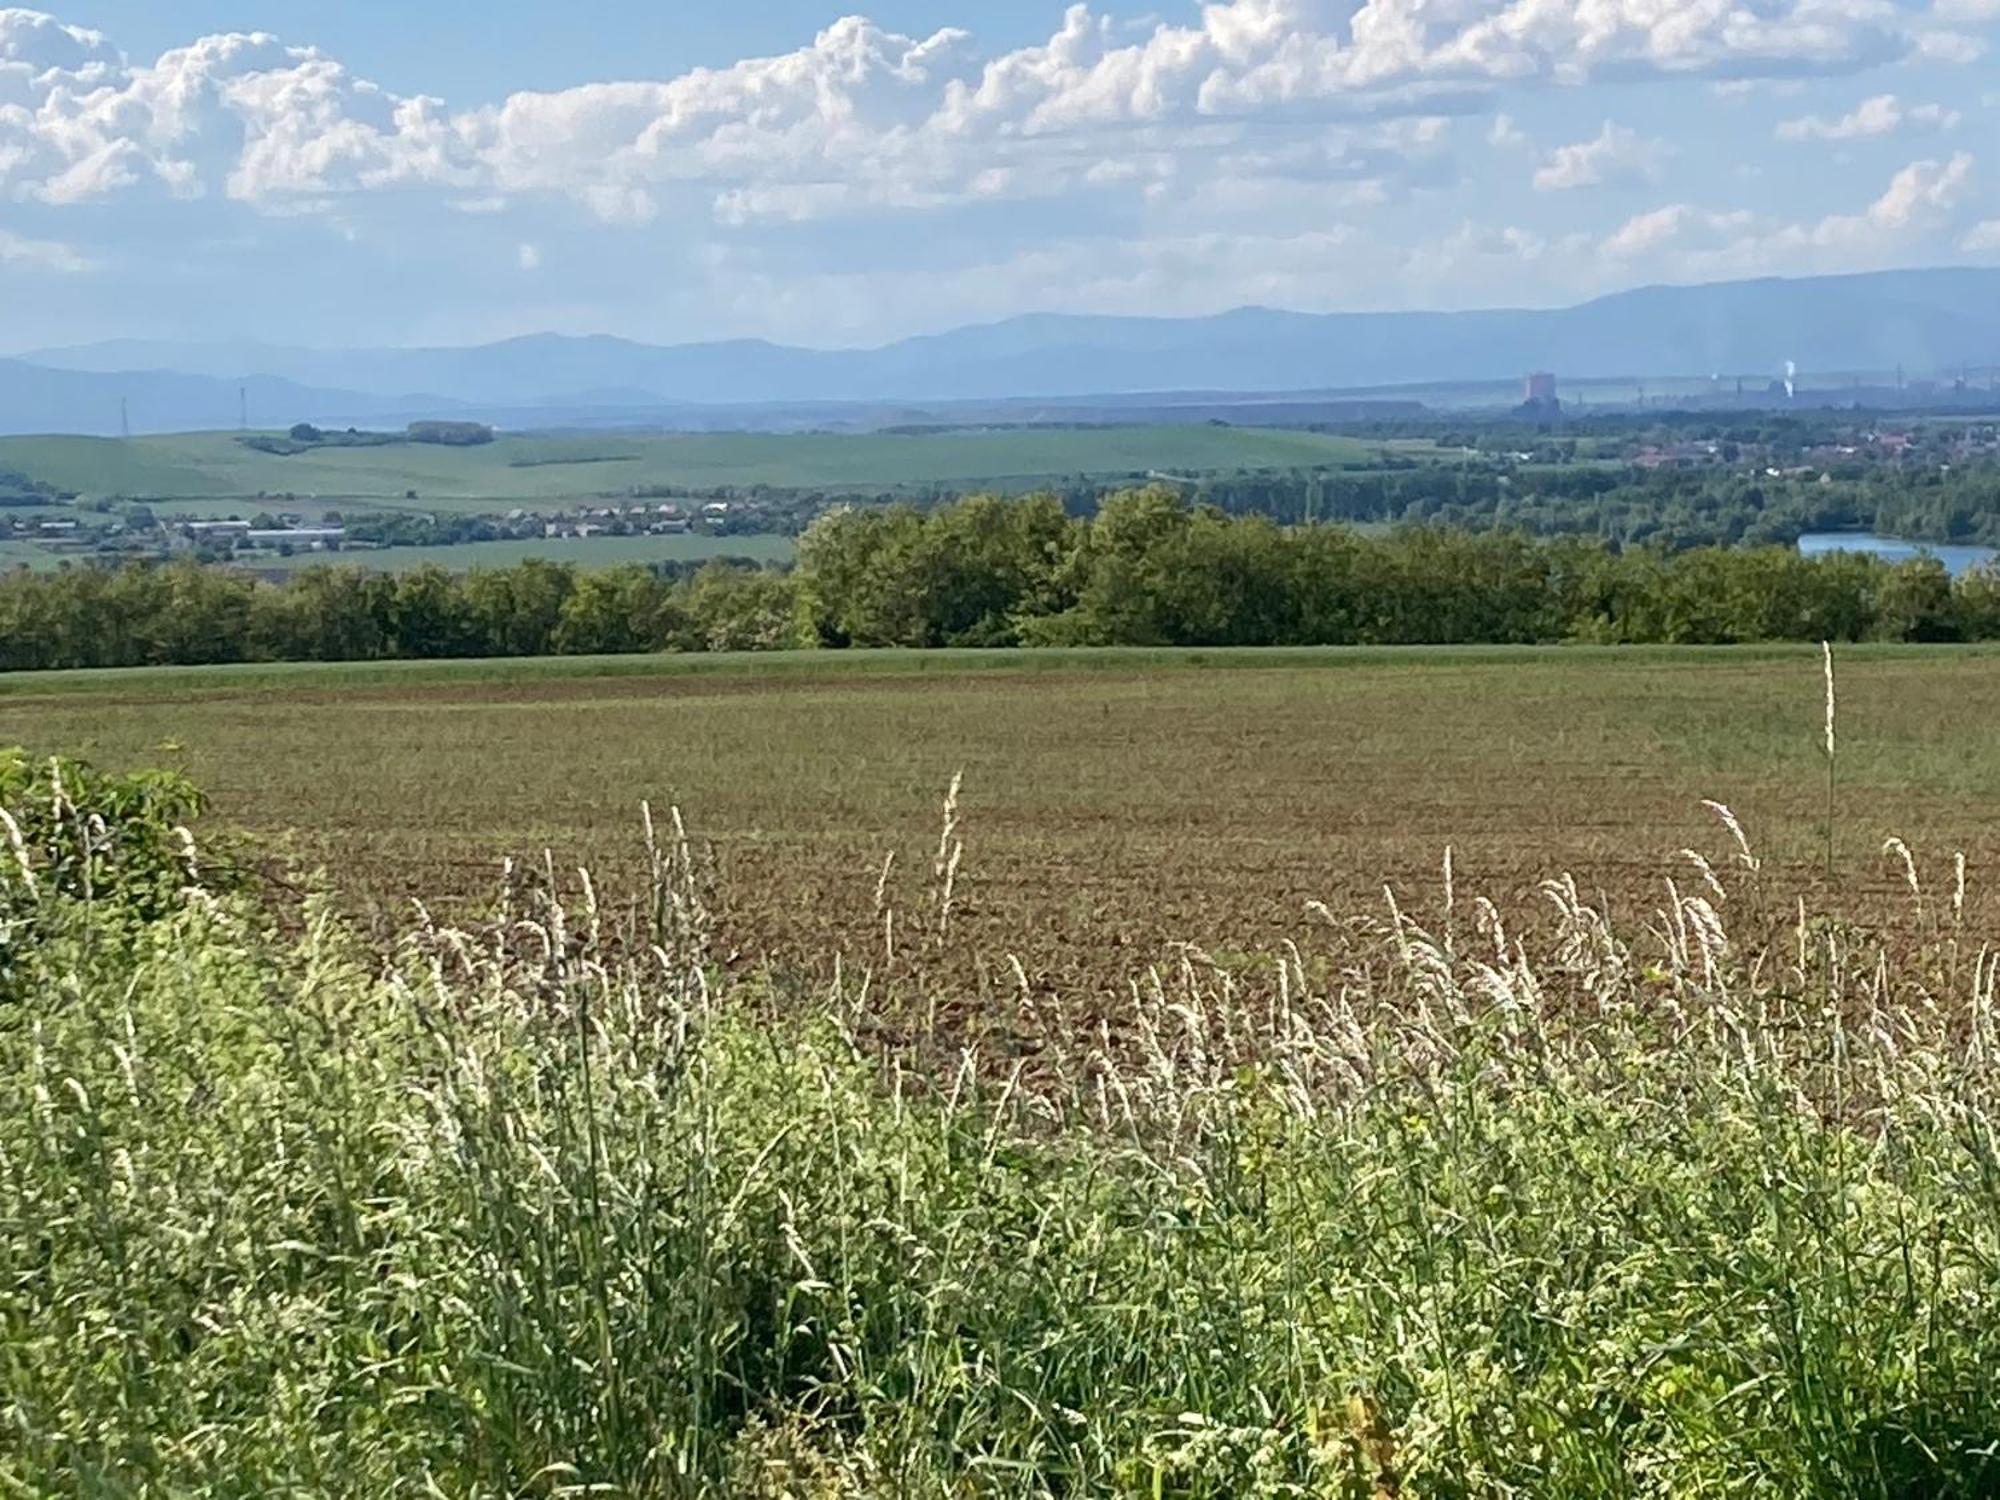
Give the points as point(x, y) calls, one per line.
point(178, 681)
point(519, 470)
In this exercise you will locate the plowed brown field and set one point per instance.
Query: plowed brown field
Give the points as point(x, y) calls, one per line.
point(1112, 805)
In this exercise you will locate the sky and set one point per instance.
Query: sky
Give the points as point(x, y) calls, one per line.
point(455, 172)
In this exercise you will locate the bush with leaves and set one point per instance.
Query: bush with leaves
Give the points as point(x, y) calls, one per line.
point(87, 848)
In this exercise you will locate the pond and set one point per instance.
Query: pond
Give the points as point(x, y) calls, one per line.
point(1957, 559)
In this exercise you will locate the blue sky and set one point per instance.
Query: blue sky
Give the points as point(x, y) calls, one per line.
point(452, 172)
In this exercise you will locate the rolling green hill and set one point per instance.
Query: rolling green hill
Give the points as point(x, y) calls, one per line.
point(532, 469)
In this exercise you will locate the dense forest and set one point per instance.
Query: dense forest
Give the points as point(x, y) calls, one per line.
point(1148, 568)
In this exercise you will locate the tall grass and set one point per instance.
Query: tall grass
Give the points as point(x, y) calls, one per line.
point(1411, 1208)
point(1832, 749)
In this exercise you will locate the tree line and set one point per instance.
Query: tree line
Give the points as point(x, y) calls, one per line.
point(1149, 568)
point(1669, 507)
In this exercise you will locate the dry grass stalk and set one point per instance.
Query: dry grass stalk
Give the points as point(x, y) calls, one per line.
point(1728, 819)
point(19, 849)
point(950, 850)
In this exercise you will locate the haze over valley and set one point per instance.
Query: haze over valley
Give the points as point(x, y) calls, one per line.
point(1844, 331)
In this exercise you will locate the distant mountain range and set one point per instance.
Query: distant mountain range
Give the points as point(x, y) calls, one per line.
point(1934, 321)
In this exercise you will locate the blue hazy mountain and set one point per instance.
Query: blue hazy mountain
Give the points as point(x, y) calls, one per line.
point(1926, 321)
point(40, 398)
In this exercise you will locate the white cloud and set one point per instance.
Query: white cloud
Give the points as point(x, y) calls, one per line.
point(1615, 157)
point(1750, 88)
point(1921, 191)
point(18, 251)
point(1921, 199)
point(33, 45)
point(862, 117)
point(1882, 115)
point(241, 113)
point(1981, 237)
point(1676, 224)
point(1293, 151)
point(1646, 232)
point(1262, 54)
point(848, 108)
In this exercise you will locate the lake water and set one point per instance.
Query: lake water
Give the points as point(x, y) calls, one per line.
point(1956, 559)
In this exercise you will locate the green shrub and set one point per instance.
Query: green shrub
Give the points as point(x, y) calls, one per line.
point(81, 845)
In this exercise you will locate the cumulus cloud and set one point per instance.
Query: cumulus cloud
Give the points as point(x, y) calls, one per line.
point(848, 108)
point(1615, 157)
point(33, 45)
point(1676, 224)
point(1263, 54)
point(1921, 191)
point(1273, 150)
point(862, 117)
point(1884, 114)
point(1921, 199)
point(243, 114)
